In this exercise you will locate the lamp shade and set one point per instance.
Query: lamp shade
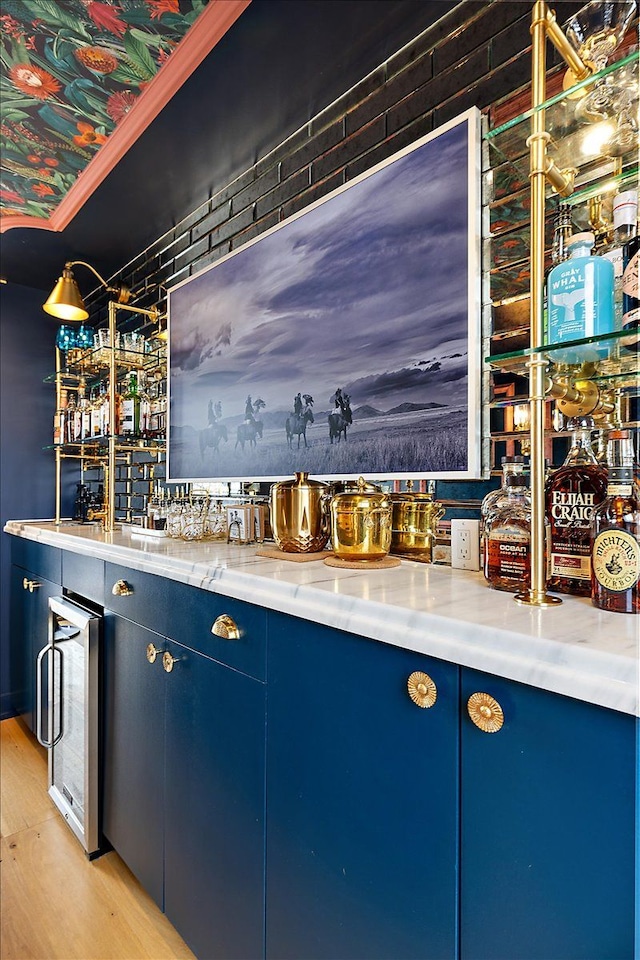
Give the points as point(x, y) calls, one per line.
point(65, 301)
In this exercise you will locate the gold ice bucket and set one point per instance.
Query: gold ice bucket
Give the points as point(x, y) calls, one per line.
point(361, 524)
point(414, 520)
point(298, 520)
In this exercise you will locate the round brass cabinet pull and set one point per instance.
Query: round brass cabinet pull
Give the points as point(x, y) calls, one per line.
point(225, 627)
point(152, 652)
point(168, 661)
point(422, 689)
point(121, 589)
point(485, 712)
point(30, 585)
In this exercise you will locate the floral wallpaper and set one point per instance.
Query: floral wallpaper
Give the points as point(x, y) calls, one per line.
point(71, 70)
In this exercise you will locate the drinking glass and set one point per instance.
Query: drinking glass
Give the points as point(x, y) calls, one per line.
point(596, 32)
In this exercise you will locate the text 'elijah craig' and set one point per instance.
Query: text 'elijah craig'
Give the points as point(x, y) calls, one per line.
point(572, 493)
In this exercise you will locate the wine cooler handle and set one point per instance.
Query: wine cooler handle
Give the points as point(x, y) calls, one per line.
point(39, 733)
point(60, 700)
point(47, 741)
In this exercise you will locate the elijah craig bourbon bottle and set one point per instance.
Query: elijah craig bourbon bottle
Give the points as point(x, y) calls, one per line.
point(571, 495)
point(615, 534)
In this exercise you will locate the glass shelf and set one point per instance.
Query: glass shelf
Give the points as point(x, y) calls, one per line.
point(603, 359)
point(573, 142)
point(95, 363)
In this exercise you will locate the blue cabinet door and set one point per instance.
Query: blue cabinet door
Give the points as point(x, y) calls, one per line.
point(547, 808)
point(133, 780)
point(362, 800)
point(29, 610)
point(215, 772)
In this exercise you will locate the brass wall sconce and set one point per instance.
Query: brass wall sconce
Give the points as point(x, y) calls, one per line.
point(65, 300)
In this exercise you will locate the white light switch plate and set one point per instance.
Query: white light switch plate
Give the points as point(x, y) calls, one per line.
point(465, 544)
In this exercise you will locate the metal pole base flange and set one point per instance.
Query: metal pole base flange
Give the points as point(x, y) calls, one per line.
point(535, 599)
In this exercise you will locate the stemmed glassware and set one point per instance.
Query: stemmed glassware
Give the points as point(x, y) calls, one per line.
point(596, 32)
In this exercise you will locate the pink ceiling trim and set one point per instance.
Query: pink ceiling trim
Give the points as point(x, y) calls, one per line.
point(212, 24)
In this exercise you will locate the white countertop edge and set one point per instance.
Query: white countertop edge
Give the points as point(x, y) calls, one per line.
point(576, 669)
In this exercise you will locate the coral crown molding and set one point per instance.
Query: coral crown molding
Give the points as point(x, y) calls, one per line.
point(212, 24)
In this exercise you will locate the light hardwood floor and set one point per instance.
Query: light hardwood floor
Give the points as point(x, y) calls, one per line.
point(55, 904)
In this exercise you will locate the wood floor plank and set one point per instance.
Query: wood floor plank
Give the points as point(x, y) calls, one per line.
point(57, 905)
point(24, 801)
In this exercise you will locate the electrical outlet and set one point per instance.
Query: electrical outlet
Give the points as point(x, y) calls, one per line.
point(465, 544)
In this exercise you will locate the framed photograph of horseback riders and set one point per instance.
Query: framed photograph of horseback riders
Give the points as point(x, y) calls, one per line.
point(345, 341)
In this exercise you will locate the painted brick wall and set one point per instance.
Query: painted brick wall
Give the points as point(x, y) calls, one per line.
point(477, 55)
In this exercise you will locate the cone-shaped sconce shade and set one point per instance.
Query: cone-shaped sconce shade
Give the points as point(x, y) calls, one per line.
point(65, 301)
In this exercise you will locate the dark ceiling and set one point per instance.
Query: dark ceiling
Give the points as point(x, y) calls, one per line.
point(280, 64)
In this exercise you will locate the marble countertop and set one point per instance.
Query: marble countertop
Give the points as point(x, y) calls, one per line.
point(572, 649)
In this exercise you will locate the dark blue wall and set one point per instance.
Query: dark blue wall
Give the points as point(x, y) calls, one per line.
point(27, 404)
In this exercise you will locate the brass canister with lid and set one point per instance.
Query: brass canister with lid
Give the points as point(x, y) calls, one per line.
point(298, 520)
point(414, 520)
point(361, 523)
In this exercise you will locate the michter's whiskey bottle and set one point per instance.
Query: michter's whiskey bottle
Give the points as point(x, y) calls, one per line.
point(507, 539)
point(615, 534)
point(571, 495)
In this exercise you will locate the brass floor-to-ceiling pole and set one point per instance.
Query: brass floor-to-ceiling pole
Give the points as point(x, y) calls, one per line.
point(542, 169)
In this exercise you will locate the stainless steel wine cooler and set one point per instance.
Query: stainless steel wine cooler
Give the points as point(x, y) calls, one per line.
point(67, 715)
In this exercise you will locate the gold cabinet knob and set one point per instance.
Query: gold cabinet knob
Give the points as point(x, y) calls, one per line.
point(225, 627)
point(168, 661)
point(485, 712)
point(30, 585)
point(152, 652)
point(422, 689)
point(121, 589)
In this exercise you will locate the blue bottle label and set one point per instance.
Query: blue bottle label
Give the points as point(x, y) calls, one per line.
point(580, 294)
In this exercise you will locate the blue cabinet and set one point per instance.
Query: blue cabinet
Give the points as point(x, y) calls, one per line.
point(547, 817)
point(362, 800)
point(185, 761)
point(395, 831)
point(133, 750)
point(214, 807)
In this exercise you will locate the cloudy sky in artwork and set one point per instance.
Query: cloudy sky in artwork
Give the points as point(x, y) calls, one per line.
point(364, 291)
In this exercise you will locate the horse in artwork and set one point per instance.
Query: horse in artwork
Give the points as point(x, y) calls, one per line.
point(211, 437)
point(339, 420)
point(247, 433)
point(296, 425)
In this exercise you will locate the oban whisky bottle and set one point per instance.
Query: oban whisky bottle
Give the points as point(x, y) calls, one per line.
point(571, 495)
point(507, 539)
point(511, 466)
point(615, 534)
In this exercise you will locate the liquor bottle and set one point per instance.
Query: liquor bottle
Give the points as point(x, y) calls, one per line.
point(96, 412)
point(507, 539)
point(615, 534)
point(562, 233)
point(631, 294)
point(511, 466)
point(571, 495)
point(84, 408)
point(105, 411)
point(60, 418)
point(70, 419)
point(580, 293)
point(145, 404)
point(130, 409)
point(625, 215)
